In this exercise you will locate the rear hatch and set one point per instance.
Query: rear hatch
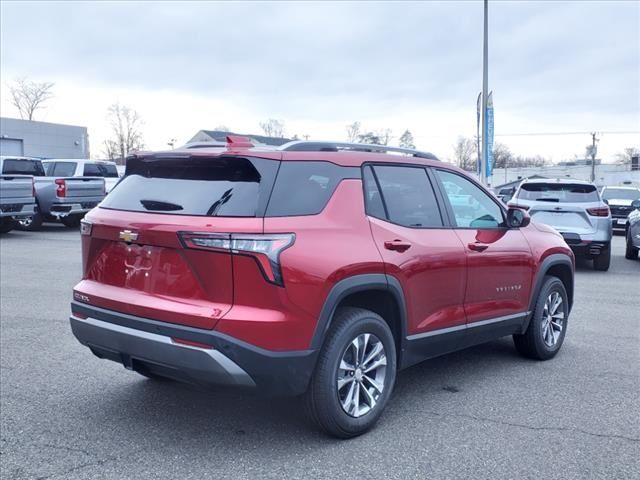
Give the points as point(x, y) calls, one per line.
point(564, 206)
point(159, 245)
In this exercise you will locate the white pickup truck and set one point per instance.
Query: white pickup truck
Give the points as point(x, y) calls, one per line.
point(58, 197)
point(17, 192)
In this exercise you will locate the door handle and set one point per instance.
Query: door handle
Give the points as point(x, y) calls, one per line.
point(477, 247)
point(397, 245)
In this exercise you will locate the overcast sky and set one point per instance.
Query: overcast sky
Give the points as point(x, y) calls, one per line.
point(554, 67)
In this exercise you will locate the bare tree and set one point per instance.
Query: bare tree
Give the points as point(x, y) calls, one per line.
point(353, 132)
point(369, 137)
point(126, 135)
point(502, 156)
point(406, 140)
point(273, 128)
point(625, 156)
point(30, 96)
point(464, 153)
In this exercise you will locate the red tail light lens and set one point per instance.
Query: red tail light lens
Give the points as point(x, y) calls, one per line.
point(598, 212)
point(265, 249)
point(61, 188)
point(85, 227)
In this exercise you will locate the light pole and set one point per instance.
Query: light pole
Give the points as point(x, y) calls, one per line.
point(485, 89)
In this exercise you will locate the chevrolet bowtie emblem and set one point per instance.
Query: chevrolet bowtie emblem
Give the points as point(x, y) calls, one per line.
point(128, 236)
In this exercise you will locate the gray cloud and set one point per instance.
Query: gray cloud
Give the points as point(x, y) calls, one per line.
point(330, 57)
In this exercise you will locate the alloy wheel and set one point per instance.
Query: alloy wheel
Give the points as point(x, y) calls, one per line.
point(361, 374)
point(552, 319)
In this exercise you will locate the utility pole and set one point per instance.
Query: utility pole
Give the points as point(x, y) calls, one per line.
point(594, 139)
point(485, 88)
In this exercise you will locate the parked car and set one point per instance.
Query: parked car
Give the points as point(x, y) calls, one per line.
point(319, 268)
point(619, 200)
point(59, 197)
point(83, 168)
point(632, 231)
point(573, 208)
point(17, 193)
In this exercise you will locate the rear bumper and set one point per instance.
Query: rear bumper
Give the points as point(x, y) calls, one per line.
point(147, 346)
point(65, 209)
point(17, 209)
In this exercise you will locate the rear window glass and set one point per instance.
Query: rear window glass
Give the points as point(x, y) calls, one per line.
point(304, 188)
point(219, 186)
point(60, 169)
point(16, 166)
point(100, 170)
point(620, 194)
point(558, 192)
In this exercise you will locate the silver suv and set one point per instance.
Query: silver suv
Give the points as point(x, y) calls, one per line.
point(574, 208)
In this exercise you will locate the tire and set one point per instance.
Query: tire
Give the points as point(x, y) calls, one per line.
point(325, 398)
point(7, 224)
point(32, 223)
point(537, 342)
point(602, 261)
point(631, 252)
point(71, 221)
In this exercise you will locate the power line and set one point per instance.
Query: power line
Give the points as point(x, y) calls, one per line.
point(531, 134)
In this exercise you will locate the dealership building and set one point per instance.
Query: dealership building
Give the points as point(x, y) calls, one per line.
point(42, 139)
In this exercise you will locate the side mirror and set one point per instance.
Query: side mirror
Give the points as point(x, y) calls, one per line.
point(517, 218)
point(636, 204)
point(605, 201)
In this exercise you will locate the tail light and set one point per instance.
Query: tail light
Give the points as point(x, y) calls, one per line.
point(33, 186)
point(104, 187)
point(85, 227)
point(598, 211)
point(61, 188)
point(265, 249)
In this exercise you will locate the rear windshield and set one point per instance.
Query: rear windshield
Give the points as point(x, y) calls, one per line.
point(60, 169)
point(222, 186)
point(100, 170)
point(558, 192)
point(16, 166)
point(620, 194)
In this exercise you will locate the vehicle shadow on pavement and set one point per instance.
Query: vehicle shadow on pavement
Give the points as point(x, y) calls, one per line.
point(236, 420)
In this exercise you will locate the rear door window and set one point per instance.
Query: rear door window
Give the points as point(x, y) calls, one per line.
point(19, 166)
point(558, 192)
point(407, 196)
point(208, 186)
point(305, 187)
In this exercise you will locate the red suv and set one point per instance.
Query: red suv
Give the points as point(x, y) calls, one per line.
point(316, 268)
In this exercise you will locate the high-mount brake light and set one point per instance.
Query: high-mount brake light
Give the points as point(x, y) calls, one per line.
point(61, 188)
point(598, 211)
point(264, 248)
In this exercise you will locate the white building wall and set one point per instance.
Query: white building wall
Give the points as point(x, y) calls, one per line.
point(46, 140)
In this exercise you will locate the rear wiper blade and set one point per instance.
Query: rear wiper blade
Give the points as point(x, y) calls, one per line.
point(160, 206)
point(548, 200)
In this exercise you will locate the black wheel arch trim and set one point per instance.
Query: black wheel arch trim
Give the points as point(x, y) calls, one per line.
point(355, 284)
point(553, 260)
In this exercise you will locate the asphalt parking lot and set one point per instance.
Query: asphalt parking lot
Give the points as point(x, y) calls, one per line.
point(480, 413)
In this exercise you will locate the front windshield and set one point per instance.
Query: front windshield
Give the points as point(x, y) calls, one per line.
point(620, 194)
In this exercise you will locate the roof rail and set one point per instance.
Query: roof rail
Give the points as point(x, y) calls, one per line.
point(311, 146)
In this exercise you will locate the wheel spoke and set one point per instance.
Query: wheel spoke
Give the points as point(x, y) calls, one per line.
point(377, 348)
point(365, 344)
point(346, 366)
point(377, 364)
point(347, 379)
point(355, 344)
point(373, 383)
point(557, 301)
point(370, 400)
point(356, 400)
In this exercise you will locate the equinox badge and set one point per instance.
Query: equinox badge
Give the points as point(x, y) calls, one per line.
point(128, 236)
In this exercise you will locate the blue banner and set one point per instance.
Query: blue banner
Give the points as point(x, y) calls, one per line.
point(488, 155)
point(478, 141)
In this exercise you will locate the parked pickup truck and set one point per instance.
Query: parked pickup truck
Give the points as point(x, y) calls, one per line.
point(59, 197)
point(16, 192)
point(87, 168)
